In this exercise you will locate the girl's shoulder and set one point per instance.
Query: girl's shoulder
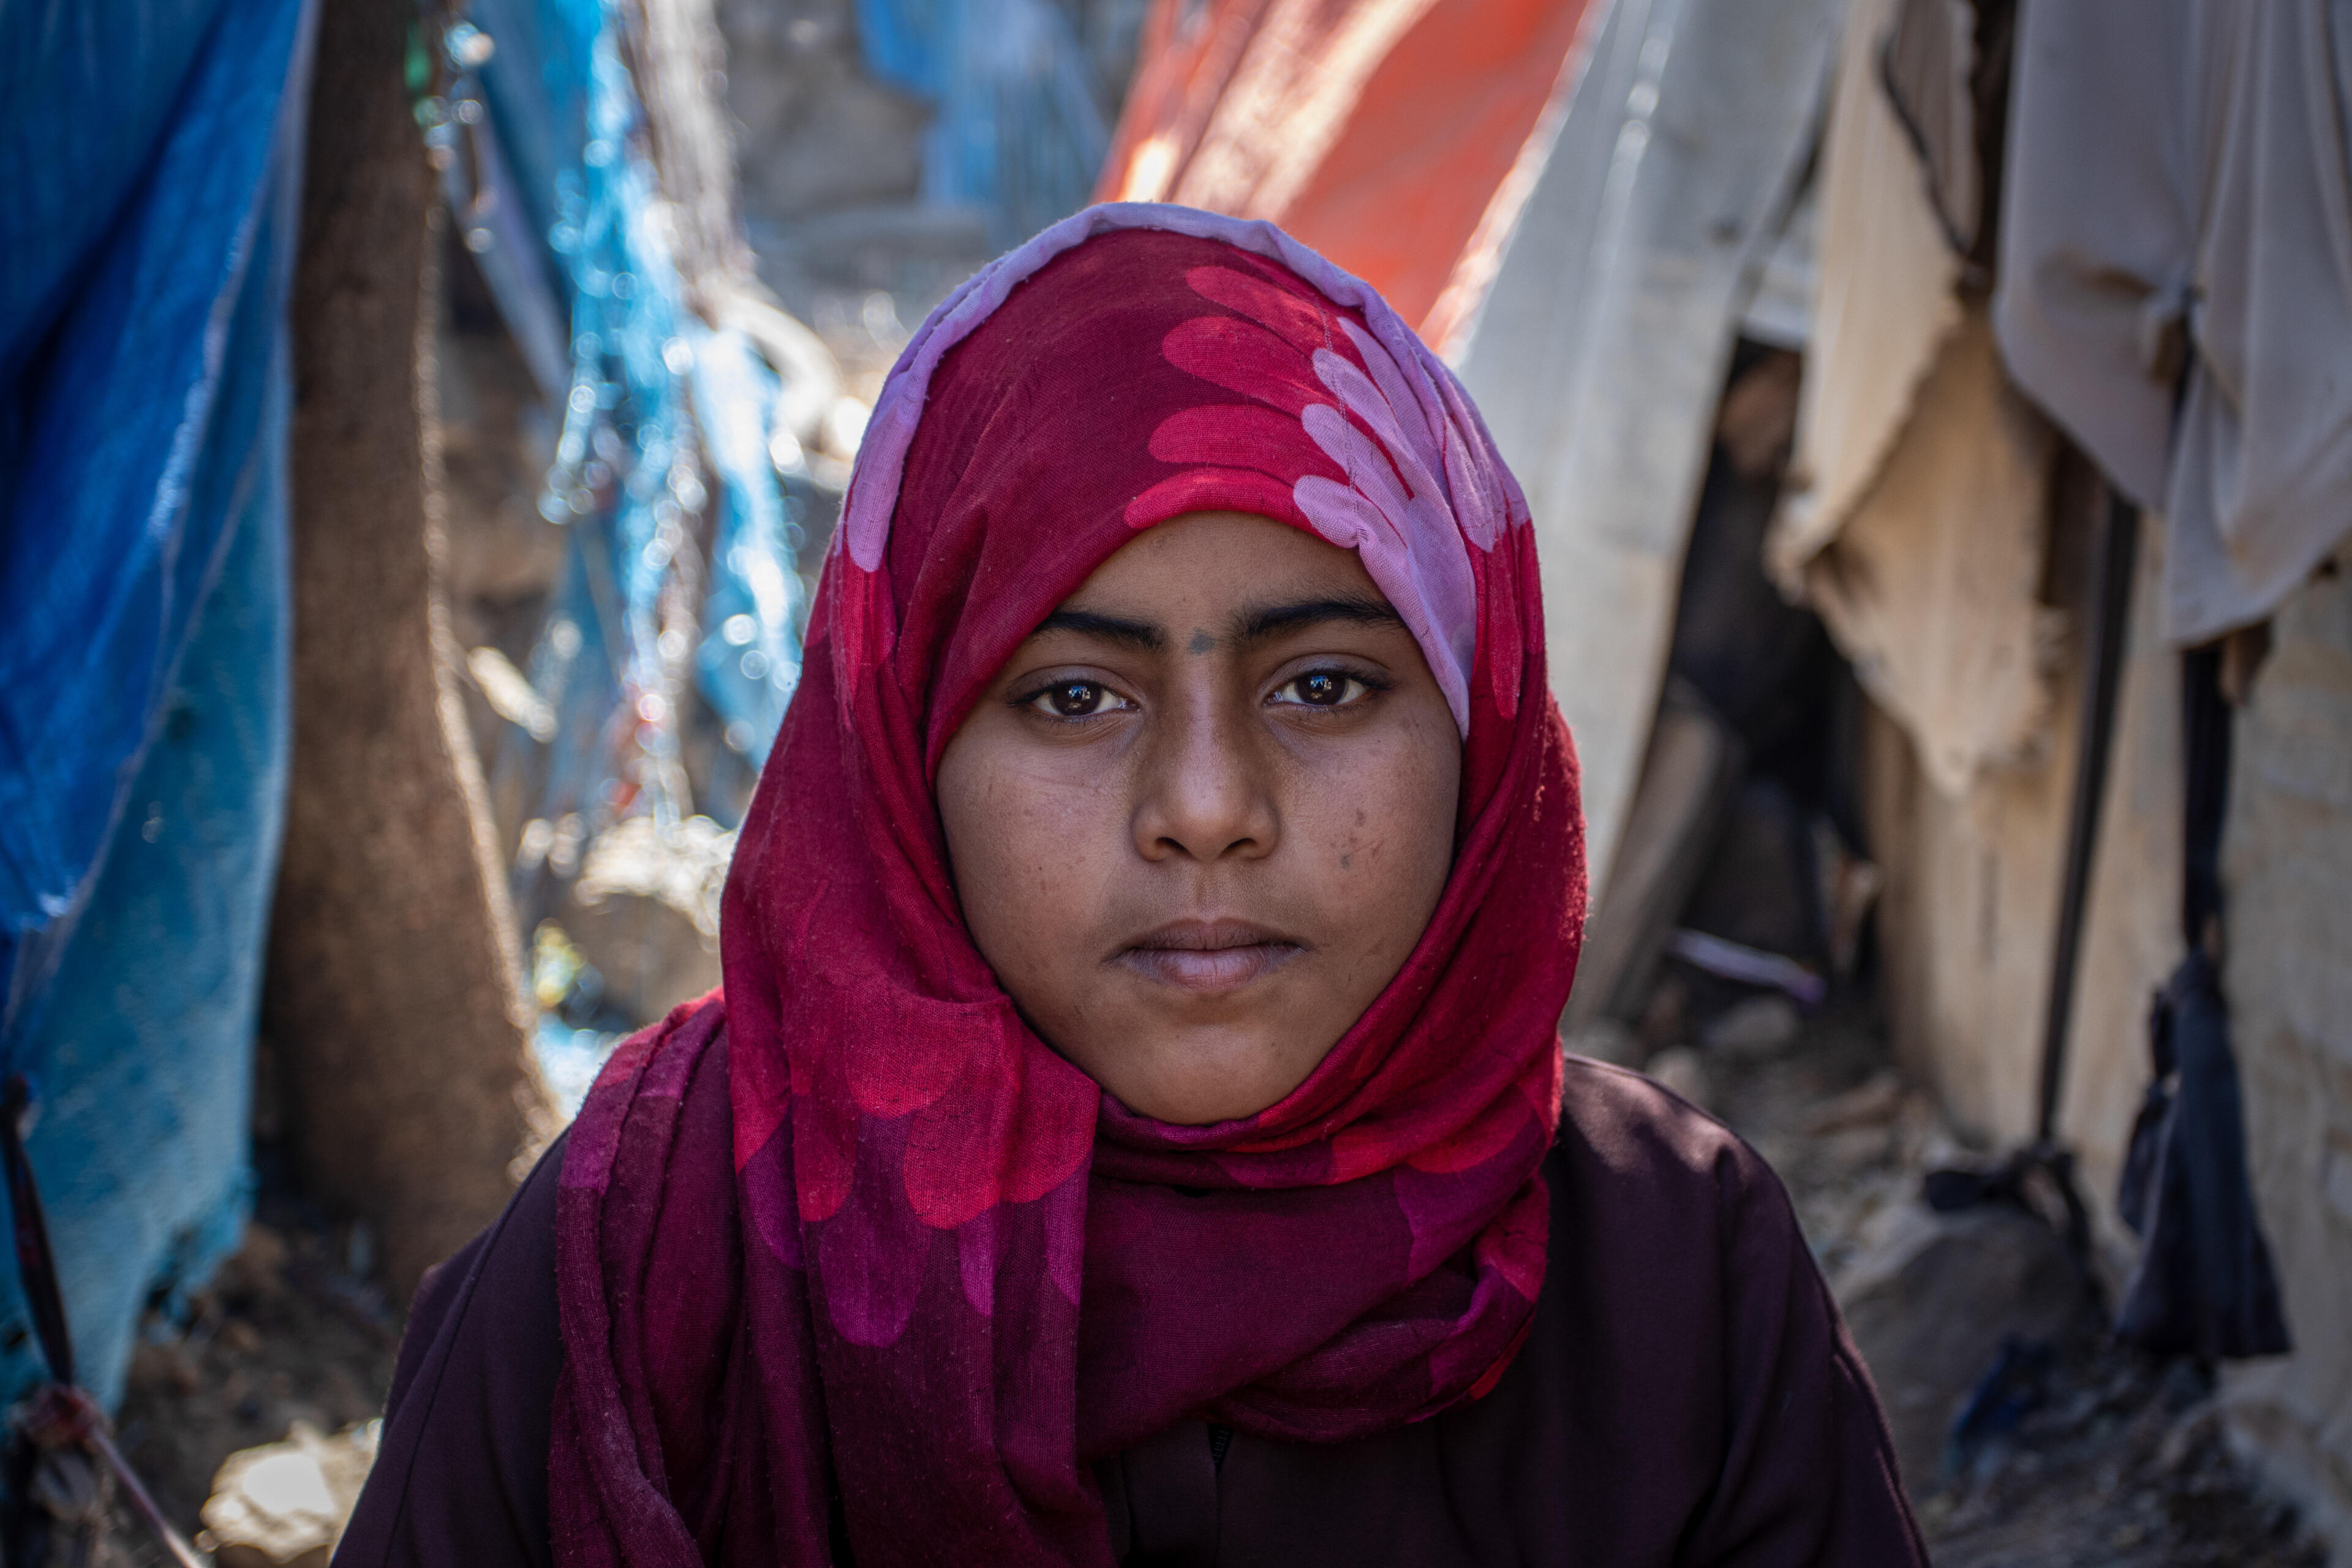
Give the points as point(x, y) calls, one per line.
point(1628, 1123)
point(1635, 1159)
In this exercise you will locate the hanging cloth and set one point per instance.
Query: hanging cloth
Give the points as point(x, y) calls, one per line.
point(2179, 180)
point(2204, 1285)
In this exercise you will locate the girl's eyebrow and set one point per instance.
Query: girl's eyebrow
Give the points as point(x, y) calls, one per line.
point(1258, 624)
point(1141, 634)
point(1269, 621)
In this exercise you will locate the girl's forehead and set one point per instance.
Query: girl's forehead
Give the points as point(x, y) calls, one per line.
point(1207, 581)
point(1146, 376)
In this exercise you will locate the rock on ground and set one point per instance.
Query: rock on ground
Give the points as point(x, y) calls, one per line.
point(1931, 1302)
point(284, 1505)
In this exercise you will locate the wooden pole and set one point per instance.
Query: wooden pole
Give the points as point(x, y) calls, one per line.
point(392, 995)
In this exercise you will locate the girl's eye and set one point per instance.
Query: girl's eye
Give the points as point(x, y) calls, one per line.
point(1077, 700)
point(1322, 689)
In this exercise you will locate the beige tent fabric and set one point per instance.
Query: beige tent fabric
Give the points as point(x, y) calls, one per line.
point(1884, 304)
point(1931, 588)
point(2183, 164)
point(1915, 518)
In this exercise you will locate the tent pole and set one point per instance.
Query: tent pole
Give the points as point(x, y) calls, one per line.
point(2117, 560)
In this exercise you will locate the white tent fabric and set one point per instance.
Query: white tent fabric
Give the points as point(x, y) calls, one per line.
point(1599, 352)
point(2180, 166)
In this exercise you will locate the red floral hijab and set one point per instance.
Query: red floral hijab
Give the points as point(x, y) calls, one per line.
point(850, 1261)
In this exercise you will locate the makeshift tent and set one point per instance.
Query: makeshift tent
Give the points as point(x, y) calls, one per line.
point(152, 154)
point(2062, 221)
point(1599, 351)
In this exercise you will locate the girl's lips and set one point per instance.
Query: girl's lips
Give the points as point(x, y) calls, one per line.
point(1208, 957)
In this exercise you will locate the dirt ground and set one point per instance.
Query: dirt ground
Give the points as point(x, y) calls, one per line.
point(2109, 1459)
point(295, 1327)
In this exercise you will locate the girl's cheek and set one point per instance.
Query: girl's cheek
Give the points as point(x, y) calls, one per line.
point(1057, 846)
point(1382, 825)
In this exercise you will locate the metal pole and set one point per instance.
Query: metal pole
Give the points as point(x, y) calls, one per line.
point(2117, 560)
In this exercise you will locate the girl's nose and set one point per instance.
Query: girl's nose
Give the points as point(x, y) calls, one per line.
point(1205, 788)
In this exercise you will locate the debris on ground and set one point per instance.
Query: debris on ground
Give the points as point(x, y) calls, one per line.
point(1933, 1300)
point(284, 1505)
point(1754, 1029)
point(2113, 1459)
point(1684, 1070)
point(2028, 1438)
point(294, 1337)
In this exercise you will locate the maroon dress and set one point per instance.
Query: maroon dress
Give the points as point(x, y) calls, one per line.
point(1687, 1395)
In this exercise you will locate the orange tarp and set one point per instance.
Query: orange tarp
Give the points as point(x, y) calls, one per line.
point(1385, 133)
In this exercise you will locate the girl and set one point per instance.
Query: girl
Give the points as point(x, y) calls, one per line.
point(1133, 1129)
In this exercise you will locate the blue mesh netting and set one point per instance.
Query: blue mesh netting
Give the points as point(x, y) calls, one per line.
point(680, 589)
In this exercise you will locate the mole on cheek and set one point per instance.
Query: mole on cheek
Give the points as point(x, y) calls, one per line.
point(1202, 642)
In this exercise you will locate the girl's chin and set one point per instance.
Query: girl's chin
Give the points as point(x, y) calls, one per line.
point(1200, 1078)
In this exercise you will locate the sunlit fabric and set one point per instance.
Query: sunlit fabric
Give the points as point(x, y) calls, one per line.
point(1398, 137)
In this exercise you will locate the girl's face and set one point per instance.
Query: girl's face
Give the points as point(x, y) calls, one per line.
point(1202, 814)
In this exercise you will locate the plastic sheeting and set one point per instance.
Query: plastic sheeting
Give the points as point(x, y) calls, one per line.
point(150, 153)
point(1017, 131)
point(651, 400)
point(1599, 353)
point(2180, 178)
point(1398, 137)
point(680, 593)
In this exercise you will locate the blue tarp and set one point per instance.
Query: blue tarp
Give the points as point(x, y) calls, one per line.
point(149, 157)
point(1017, 129)
point(150, 174)
point(666, 425)
point(650, 396)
